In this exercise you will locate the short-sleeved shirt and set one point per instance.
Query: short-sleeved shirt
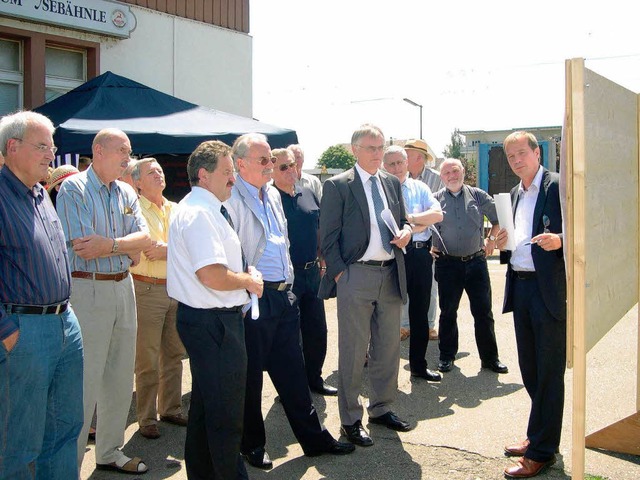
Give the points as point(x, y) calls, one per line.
point(88, 206)
point(303, 217)
point(312, 182)
point(418, 198)
point(462, 228)
point(34, 266)
point(199, 236)
point(158, 223)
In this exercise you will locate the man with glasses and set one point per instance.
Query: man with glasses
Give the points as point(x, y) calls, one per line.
point(273, 339)
point(536, 293)
point(365, 269)
point(40, 340)
point(106, 232)
point(302, 210)
point(423, 210)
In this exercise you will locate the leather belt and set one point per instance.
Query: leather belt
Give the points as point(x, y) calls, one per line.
point(377, 263)
point(479, 253)
point(237, 309)
point(152, 280)
point(523, 275)
point(116, 277)
point(56, 309)
point(419, 244)
point(279, 286)
point(307, 265)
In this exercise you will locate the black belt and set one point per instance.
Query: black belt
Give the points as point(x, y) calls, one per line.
point(479, 253)
point(237, 309)
point(523, 275)
point(420, 244)
point(279, 286)
point(307, 265)
point(377, 263)
point(56, 309)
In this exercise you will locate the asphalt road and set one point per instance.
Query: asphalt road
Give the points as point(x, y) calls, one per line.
point(461, 423)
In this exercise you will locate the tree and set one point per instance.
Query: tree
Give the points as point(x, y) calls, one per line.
point(337, 156)
point(454, 150)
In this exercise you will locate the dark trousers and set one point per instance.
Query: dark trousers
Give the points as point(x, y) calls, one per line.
point(455, 276)
point(542, 357)
point(418, 262)
point(214, 341)
point(273, 345)
point(313, 322)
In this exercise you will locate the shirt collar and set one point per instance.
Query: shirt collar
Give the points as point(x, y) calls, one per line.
point(537, 180)
point(37, 191)
point(365, 176)
point(253, 190)
point(96, 183)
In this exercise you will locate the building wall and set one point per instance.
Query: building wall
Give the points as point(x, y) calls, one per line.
point(192, 60)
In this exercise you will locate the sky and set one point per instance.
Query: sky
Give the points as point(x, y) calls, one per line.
point(324, 68)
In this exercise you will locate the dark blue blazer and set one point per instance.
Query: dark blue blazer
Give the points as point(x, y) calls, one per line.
point(550, 268)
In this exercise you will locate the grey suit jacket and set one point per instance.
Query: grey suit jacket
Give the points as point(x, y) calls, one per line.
point(550, 270)
point(344, 225)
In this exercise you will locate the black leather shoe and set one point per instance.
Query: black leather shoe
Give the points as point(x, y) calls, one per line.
point(496, 365)
point(335, 448)
point(445, 365)
point(391, 420)
point(324, 389)
point(259, 458)
point(428, 375)
point(356, 434)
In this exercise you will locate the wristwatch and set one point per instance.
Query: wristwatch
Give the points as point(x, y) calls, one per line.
point(114, 249)
point(492, 238)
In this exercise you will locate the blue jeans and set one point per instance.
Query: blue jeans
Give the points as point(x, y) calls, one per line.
point(41, 410)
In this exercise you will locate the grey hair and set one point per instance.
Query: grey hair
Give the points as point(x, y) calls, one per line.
point(243, 143)
point(15, 126)
point(137, 166)
point(391, 149)
point(366, 130)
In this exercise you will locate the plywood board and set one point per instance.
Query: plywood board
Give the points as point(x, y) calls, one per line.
point(611, 204)
point(622, 436)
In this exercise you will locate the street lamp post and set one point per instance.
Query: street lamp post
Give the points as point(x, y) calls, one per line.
point(415, 104)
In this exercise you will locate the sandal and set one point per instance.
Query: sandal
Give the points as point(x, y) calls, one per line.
point(133, 466)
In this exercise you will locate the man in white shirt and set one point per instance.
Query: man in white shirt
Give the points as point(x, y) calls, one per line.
point(205, 274)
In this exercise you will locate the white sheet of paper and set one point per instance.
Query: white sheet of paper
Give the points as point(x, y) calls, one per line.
point(505, 218)
point(391, 224)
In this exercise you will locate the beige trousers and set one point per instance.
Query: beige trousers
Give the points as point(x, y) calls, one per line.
point(106, 311)
point(159, 354)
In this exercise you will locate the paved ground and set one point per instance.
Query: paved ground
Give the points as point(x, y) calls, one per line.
point(461, 423)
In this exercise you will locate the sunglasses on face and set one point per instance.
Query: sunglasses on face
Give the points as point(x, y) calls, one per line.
point(286, 166)
point(264, 160)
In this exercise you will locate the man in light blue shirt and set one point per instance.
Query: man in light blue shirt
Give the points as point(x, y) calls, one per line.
point(423, 210)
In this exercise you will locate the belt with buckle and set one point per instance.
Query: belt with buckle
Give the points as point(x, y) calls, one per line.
point(420, 244)
point(237, 309)
point(116, 277)
point(479, 253)
point(377, 263)
point(524, 275)
point(307, 265)
point(152, 280)
point(55, 309)
point(279, 286)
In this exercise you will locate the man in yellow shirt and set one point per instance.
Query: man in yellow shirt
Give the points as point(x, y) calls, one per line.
point(159, 351)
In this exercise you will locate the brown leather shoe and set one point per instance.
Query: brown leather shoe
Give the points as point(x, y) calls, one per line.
point(178, 419)
point(517, 449)
point(150, 431)
point(527, 468)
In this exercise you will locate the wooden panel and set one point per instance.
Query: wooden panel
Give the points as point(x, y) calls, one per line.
point(161, 5)
point(198, 14)
point(217, 12)
point(181, 8)
point(621, 436)
point(172, 7)
point(207, 15)
point(224, 13)
point(190, 8)
point(611, 168)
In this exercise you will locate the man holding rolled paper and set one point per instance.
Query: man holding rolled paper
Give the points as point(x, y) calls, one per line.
point(366, 271)
point(536, 293)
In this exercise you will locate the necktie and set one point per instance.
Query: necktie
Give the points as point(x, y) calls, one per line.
point(378, 206)
point(227, 217)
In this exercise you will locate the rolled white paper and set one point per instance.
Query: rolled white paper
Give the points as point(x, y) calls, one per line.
point(505, 218)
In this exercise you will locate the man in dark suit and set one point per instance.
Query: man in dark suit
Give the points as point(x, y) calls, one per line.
point(536, 294)
point(365, 270)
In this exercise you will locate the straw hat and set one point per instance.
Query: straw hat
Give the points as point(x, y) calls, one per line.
point(421, 146)
point(59, 174)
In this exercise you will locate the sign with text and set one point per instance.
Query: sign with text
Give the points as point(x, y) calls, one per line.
point(99, 16)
